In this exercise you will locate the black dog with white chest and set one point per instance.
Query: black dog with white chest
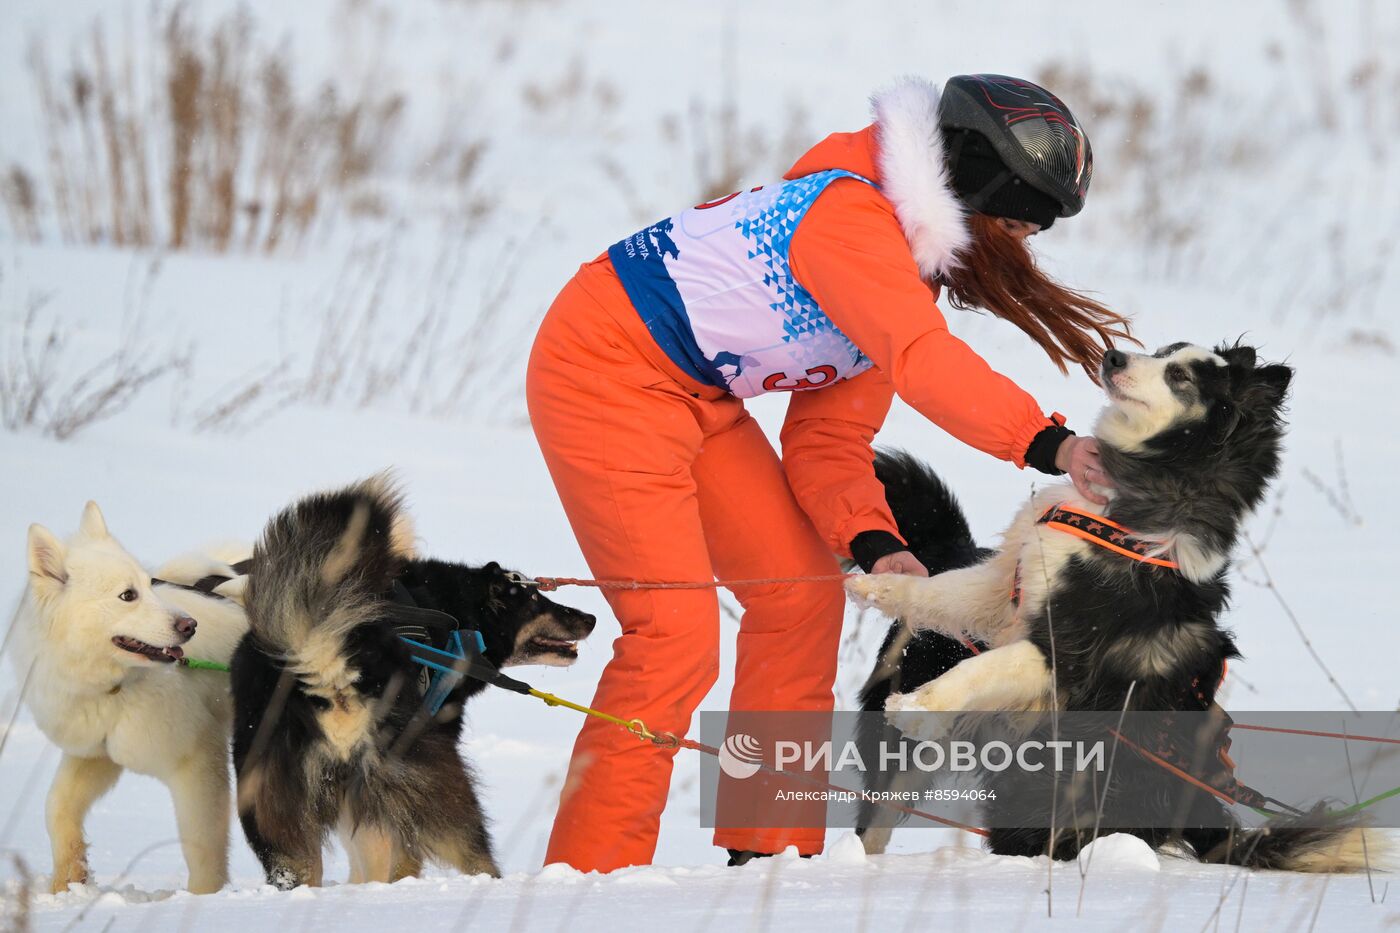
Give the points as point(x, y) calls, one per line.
point(1191, 437)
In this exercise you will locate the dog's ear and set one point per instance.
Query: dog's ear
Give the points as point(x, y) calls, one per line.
point(46, 560)
point(1237, 355)
point(93, 524)
point(1276, 378)
point(1261, 398)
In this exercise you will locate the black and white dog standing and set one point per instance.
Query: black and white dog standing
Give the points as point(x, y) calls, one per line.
point(330, 727)
point(1191, 437)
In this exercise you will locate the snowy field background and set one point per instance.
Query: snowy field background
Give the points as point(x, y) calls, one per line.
point(1246, 183)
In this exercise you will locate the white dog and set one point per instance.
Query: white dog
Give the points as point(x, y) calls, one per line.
point(98, 646)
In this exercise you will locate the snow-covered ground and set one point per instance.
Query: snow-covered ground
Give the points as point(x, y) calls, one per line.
point(1261, 199)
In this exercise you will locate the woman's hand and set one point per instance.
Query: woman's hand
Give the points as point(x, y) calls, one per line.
point(1079, 457)
point(900, 562)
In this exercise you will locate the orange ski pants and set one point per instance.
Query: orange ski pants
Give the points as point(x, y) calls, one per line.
point(663, 478)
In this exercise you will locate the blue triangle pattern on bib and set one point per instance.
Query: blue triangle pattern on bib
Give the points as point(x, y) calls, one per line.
point(771, 232)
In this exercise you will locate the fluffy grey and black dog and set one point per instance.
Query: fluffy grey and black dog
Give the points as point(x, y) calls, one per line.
point(330, 726)
point(1191, 436)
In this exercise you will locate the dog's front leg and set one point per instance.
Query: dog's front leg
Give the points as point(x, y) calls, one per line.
point(79, 783)
point(370, 848)
point(201, 794)
point(1012, 677)
point(405, 864)
point(971, 601)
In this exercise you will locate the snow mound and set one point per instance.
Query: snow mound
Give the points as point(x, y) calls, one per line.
point(643, 876)
point(559, 871)
point(848, 850)
point(1119, 851)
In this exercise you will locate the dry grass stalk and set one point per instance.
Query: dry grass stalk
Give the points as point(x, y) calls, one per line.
point(18, 898)
point(41, 388)
point(19, 193)
point(1174, 149)
point(238, 405)
point(727, 155)
point(209, 144)
point(382, 340)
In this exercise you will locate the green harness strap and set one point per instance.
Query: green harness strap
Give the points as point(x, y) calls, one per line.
point(198, 665)
point(1356, 807)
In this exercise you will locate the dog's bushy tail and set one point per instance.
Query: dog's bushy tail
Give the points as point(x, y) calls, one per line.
point(1288, 844)
point(319, 571)
point(933, 524)
point(927, 513)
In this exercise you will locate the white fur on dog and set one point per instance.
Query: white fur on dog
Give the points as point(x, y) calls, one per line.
point(1012, 677)
point(975, 601)
point(1142, 404)
point(109, 709)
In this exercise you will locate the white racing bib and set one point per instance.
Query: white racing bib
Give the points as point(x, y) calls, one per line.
point(714, 287)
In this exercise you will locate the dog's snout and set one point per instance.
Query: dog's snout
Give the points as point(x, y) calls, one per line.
point(185, 626)
point(586, 621)
point(1114, 360)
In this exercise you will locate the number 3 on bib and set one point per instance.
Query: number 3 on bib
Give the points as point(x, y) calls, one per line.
point(816, 377)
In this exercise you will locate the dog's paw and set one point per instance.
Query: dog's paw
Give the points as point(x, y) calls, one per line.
point(858, 589)
point(924, 713)
point(932, 697)
point(902, 703)
point(912, 715)
point(876, 590)
point(64, 875)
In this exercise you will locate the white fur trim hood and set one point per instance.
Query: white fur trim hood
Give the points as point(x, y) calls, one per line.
point(914, 176)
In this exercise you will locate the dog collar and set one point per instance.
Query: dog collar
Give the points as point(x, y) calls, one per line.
point(1105, 533)
point(1096, 530)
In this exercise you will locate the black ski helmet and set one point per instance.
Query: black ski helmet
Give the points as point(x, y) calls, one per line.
point(1033, 136)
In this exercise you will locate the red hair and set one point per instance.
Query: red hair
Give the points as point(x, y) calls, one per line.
point(999, 274)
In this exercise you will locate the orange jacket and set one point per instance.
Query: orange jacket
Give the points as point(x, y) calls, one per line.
point(865, 261)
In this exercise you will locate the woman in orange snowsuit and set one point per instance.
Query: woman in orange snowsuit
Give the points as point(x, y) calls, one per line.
point(824, 286)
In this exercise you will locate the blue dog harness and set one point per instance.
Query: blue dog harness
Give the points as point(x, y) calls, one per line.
point(446, 667)
point(462, 653)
